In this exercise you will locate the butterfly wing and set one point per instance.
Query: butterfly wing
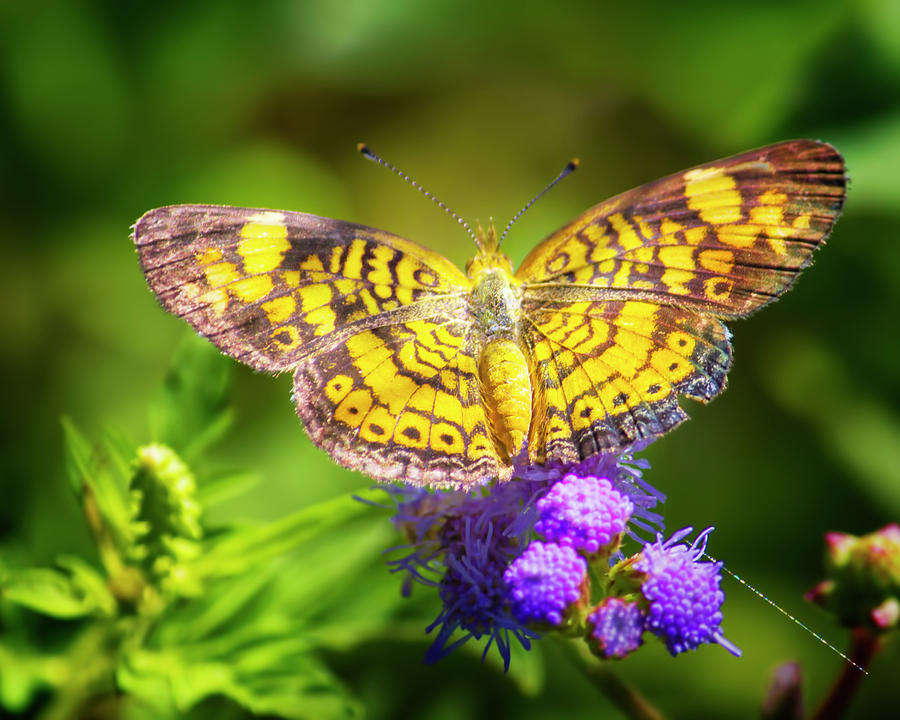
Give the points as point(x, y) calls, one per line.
point(268, 287)
point(403, 402)
point(609, 296)
point(375, 328)
point(608, 373)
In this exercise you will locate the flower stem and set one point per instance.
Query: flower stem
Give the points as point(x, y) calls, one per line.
point(89, 673)
point(864, 645)
point(619, 693)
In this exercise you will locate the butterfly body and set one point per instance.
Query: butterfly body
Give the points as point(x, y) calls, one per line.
point(406, 368)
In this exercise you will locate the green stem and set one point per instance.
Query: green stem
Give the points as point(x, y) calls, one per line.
point(90, 673)
point(619, 693)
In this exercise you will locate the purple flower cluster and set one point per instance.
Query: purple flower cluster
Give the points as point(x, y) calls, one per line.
point(543, 553)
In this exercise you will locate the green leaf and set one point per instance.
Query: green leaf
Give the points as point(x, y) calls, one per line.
point(217, 490)
point(120, 450)
point(25, 674)
point(271, 675)
point(191, 411)
point(241, 551)
point(89, 471)
point(292, 688)
point(227, 606)
point(269, 595)
point(54, 593)
point(80, 460)
point(89, 581)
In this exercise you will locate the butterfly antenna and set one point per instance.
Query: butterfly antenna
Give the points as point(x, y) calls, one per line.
point(364, 149)
point(567, 170)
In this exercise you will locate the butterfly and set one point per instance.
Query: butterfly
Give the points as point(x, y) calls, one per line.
point(408, 369)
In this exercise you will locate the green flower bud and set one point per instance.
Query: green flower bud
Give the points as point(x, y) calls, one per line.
point(165, 517)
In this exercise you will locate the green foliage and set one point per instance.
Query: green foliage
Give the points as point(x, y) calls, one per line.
point(190, 412)
point(180, 611)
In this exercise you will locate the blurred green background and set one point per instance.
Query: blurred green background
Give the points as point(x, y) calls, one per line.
point(108, 109)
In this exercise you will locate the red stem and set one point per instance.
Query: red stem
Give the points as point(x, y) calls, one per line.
point(864, 645)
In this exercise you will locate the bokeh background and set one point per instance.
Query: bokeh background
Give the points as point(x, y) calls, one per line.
point(108, 109)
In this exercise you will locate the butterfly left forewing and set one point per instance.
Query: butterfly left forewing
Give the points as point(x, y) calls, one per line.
point(269, 287)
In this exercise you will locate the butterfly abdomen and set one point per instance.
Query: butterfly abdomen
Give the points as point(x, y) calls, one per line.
point(496, 304)
point(506, 387)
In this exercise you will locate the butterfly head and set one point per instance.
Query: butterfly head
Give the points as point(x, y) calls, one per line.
point(489, 255)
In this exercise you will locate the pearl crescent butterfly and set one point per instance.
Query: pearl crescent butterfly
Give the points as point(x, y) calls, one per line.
point(406, 368)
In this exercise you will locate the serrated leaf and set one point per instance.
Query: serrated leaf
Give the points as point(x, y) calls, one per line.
point(191, 412)
point(270, 595)
point(226, 606)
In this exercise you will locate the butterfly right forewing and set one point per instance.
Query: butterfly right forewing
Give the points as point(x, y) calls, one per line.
point(725, 238)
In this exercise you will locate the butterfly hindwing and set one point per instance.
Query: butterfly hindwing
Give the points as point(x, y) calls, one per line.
point(608, 373)
point(403, 402)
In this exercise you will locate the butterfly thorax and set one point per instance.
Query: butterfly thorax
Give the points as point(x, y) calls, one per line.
point(496, 306)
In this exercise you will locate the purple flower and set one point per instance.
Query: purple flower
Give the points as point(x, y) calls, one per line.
point(545, 583)
point(420, 515)
point(625, 473)
point(616, 628)
point(683, 593)
point(585, 513)
point(476, 552)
